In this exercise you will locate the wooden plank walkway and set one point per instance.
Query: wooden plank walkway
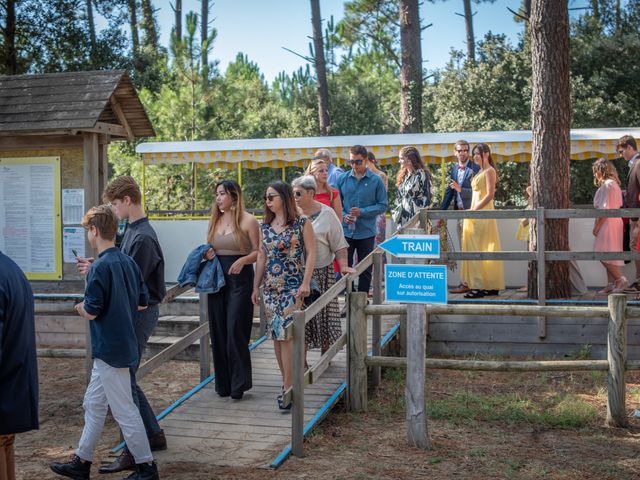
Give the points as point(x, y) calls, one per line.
point(253, 431)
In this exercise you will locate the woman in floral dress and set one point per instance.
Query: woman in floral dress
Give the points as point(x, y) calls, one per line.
point(285, 263)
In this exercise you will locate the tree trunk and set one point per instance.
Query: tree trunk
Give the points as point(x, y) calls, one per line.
point(204, 49)
point(551, 121)
point(149, 26)
point(471, 40)
point(411, 68)
point(9, 34)
point(178, 12)
point(321, 68)
point(92, 34)
point(133, 25)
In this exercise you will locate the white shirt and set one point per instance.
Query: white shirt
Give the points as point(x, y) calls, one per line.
point(329, 236)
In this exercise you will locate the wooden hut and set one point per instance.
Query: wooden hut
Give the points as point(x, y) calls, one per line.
point(54, 133)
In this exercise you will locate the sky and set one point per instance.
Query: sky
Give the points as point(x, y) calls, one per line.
point(261, 28)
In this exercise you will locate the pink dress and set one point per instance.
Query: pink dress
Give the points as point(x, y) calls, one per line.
point(609, 237)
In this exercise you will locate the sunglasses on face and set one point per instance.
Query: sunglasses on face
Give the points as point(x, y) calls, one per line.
point(270, 197)
point(620, 152)
point(297, 193)
point(356, 162)
point(465, 150)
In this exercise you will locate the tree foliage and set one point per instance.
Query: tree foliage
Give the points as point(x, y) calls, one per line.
point(187, 100)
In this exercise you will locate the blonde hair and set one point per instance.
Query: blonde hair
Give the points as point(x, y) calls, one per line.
point(310, 170)
point(233, 189)
point(606, 169)
point(104, 219)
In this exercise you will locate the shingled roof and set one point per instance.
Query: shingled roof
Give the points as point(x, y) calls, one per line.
point(104, 101)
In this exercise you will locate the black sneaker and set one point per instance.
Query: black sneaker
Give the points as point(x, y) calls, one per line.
point(124, 462)
point(75, 468)
point(145, 471)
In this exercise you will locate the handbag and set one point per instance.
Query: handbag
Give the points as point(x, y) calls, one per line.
point(314, 293)
point(314, 288)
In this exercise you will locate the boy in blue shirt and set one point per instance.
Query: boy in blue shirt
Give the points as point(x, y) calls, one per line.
point(114, 293)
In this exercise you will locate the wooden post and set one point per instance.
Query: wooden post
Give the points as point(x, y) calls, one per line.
point(205, 340)
point(91, 177)
point(416, 345)
point(542, 271)
point(357, 378)
point(297, 412)
point(376, 325)
point(617, 357)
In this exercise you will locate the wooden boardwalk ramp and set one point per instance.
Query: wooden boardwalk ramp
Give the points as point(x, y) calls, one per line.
point(205, 428)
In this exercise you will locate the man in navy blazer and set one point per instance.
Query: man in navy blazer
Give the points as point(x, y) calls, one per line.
point(18, 363)
point(459, 190)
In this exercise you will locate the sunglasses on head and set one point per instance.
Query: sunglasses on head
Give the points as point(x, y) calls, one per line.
point(270, 197)
point(356, 162)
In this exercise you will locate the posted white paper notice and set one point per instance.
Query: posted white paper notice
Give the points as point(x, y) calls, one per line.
point(72, 206)
point(72, 239)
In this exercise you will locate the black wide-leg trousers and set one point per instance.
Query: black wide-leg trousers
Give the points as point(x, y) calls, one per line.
point(230, 321)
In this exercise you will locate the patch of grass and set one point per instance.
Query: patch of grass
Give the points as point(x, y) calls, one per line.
point(634, 390)
point(559, 411)
point(583, 353)
point(597, 377)
point(395, 376)
point(477, 453)
point(434, 460)
point(513, 466)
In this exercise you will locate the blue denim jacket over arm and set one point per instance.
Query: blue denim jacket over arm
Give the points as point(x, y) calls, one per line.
point(207, 276)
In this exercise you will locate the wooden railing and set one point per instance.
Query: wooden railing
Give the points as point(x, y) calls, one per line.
point(356, 306)
point(416, 362)
point(356, 327)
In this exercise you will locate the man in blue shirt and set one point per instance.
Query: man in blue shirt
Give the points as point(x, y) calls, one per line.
point(18, 364)
point(334, 172)
point(114, 293)
point(363, 199)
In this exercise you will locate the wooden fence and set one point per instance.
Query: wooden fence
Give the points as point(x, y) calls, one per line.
point(416, 362)
point(355, 336)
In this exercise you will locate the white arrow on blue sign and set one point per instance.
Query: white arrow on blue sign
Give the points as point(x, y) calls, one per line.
point(413, 246)
point(415, 283)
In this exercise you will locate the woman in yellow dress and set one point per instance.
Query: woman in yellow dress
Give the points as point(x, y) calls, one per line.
point(484, 277)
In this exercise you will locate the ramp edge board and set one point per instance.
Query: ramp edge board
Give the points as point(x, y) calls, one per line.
point(189, 394)
point(324, 410)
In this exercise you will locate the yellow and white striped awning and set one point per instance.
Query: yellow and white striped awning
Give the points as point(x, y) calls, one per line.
point(434, 147)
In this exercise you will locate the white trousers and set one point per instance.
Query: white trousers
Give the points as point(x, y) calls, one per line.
point(111, 387)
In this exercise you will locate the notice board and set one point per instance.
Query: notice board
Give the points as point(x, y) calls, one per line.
point(30, 217)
